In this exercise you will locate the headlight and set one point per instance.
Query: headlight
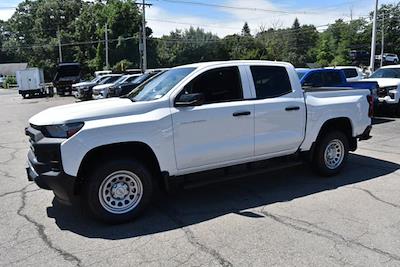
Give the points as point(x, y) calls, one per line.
point(391, 88)
point(63, 130)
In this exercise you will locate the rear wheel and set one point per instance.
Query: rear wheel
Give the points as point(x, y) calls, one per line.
point(118, 190)
point(331, 153)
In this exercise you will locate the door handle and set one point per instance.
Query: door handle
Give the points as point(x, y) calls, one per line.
point(292, 108)
point(241, 113)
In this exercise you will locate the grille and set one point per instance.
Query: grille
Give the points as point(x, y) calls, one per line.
point(382, 92)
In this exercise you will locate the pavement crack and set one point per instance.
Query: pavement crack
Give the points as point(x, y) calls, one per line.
point(171, 214)
point(16, 191)
point(40, 228)
point(375, 197)
point(313, 229)
point(7, 174)
point(12, 154)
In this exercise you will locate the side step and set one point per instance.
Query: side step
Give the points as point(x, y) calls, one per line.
point(230, 173)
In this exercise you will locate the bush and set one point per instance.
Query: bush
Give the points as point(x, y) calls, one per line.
point(10, 80)
point(122, 66)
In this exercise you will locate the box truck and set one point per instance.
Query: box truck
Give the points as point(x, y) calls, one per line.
point(31, 82)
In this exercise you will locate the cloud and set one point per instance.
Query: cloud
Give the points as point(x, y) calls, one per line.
point(163, 21)
point(5, 14)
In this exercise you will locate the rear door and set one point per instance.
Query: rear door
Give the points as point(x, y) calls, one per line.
point(222, 129)
point(279, 111)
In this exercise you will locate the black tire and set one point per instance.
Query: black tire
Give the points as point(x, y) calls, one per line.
point(334, 163)
point(96, 185)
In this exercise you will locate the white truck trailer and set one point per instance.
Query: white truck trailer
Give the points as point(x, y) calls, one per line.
point(31, 82)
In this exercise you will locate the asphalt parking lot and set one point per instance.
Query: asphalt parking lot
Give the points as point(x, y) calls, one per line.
point(285, 218)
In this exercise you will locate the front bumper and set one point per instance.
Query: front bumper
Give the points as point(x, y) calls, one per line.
point(100, 94)
point(84, 94)
point(45, 167)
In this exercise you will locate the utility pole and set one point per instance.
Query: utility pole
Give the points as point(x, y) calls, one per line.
point(351, 13)
point(373, 41)
point(59, 44)
point(383, 38)
point(144, 65)
point(106, 39)
point(142, 38)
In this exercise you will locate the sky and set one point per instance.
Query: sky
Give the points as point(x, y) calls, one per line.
point(229, 16)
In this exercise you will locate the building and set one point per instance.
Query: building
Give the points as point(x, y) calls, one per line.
point(9, 69)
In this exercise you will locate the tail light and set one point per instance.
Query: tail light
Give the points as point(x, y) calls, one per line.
point(370, 99)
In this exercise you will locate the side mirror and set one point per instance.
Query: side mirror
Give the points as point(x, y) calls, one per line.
point(189, 100)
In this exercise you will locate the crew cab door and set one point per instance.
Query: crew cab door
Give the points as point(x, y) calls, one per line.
point(221, 130)
point(280, 113)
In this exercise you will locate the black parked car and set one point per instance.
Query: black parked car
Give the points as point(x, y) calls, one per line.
point(125, 88)
point(67, 74)
point(85, 91)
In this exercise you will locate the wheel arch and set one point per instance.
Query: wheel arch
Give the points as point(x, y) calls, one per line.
point(342, 124)
point(136, 150)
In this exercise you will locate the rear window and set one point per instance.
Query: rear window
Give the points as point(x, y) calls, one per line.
point(270, 81)
point(332, 78)
point(350, 73)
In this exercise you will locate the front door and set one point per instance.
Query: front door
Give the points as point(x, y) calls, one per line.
point(219, 131)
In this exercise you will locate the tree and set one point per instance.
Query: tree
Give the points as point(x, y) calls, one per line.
point(246, 30)
point(324, 52)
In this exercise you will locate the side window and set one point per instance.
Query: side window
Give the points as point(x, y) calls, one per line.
point(350, 73)
point(217, 85)
point(315, 80)
point(332, 78)
point(270, 81)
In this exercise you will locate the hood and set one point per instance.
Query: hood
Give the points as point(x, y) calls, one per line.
point(102, 86)
point(384, 82)
point(92, 110)
point(81, 84)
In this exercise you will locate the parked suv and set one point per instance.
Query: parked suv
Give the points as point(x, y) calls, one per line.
point(226, 117)
point(391, 58)
point(85, 92)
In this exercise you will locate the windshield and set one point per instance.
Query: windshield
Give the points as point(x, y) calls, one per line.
point(160, 85)
point(141, 78)
point(95, 80)
point(122, 79)
point(386, 73)
point(110, 79)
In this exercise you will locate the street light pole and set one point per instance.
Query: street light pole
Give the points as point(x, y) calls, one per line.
point(106, 39)
point(373, 41)
point(144, 66)
point(383, 38)
point(59, 44)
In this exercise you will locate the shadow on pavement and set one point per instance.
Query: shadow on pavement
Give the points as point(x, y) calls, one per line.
point(235, 197)
point(376, 120)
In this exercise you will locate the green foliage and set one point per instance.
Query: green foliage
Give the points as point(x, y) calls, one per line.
point(122, 66)
point(10, 80)
point(31, 35)
point(246, 30)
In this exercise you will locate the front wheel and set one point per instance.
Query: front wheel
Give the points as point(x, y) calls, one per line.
point(331, 153)
point(118, 190)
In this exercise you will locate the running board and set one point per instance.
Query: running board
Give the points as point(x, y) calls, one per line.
point(232, 173)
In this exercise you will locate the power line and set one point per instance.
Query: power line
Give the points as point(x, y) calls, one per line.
point(239, 8)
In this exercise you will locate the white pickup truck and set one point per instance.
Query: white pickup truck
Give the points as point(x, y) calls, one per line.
point(388, 78)
point(193, 119)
